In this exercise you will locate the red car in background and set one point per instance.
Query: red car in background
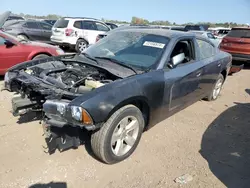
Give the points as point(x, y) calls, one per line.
point(14, 50)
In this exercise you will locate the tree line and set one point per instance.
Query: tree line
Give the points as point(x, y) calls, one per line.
point(138, 20)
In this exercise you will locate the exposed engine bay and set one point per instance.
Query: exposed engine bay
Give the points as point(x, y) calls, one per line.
point(54, 80)
point(74, 77)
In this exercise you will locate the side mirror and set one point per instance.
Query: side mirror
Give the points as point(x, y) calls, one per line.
point(9, 44)
point(177, 60)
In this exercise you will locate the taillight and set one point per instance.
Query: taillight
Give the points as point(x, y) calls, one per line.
point(97, 38)
point(224, 40)
point(69, 32)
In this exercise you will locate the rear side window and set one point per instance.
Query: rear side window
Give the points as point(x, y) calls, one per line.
point(45, 26)
point(89, 25)
point(239, 33)
point(32, 25)
point(207, 50)
point(101, 27)
point(61, 23)
point(78, 24)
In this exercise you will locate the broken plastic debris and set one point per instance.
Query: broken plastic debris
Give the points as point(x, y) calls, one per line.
point(184, 179)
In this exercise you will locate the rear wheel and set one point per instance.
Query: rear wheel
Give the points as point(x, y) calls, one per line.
point(119, 136)
point(22, 37)
point(216, 89)
point(81, 45)
point(41, 56)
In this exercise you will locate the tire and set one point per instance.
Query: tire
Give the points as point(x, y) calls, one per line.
point(81, 45)
point(23, 37)
point(101, 140)
point(217, 86)
point(41, 56)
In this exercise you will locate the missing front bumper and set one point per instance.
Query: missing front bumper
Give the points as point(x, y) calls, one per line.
point(61, 138)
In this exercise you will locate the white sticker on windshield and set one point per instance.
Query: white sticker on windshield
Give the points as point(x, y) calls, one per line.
point(153, 44)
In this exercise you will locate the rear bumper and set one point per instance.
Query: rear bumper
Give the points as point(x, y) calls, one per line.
point(235, 69)
point(241, 57)
point(65, 41)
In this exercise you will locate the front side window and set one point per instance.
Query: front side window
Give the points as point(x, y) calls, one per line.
point(101, 27)
point(140, 50)
point(89, 25)
point(207, 50)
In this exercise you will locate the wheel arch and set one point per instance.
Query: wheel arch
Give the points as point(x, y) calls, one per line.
point(224, 74)
point(38, 53)
point(140, 102)
point(83, 38)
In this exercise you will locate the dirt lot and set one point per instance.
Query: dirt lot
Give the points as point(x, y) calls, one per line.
point(208, 141)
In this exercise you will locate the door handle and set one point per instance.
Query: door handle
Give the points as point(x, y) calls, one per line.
point(219, 64)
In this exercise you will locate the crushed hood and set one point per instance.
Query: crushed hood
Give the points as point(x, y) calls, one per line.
point(4, 17)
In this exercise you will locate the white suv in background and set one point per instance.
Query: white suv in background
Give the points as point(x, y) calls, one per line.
point(77, 33)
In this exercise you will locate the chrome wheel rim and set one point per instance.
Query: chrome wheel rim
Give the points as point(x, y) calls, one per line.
point(124, 135)
point(82, 46)
point(217, 88)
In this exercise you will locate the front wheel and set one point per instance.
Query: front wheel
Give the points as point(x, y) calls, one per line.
point(216, 89)
point(119, 136)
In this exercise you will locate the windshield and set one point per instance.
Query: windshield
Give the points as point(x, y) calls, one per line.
point(136, 49)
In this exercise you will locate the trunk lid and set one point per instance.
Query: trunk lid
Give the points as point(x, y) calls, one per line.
point(237, 41)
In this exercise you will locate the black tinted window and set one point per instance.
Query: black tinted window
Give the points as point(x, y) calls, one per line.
point(61, 23)
point(2, 40)
point(32, 25)
point(77, 24)
point(46, 26)
point(239, 33)
point(206, 49)
point(89, 25)
point(101, 27)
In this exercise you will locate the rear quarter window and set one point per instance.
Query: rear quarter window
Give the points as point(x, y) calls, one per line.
point(61, 23)
point(207, 50)
point(239, 33)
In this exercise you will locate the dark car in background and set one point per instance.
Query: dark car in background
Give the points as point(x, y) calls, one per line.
point(51, 22)
point(30, 30)
point(111, 25)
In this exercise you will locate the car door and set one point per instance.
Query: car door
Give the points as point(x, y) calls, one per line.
point(46, 31)
point(182, 83)
point(10, 55)
point(212, 65)
point(33, 30)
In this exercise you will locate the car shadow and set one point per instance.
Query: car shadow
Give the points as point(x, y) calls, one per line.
point(50, 185)
point(29, 117)
point(226, 146)
point(246, 64)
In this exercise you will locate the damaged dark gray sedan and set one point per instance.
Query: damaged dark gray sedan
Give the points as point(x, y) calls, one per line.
point(119, 87)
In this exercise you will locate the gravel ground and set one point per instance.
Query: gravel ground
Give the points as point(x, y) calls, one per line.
point(208, 140)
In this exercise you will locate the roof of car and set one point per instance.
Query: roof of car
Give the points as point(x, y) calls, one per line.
point(84, 18)
point(159, 31)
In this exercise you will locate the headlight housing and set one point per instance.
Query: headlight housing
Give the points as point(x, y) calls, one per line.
point(59, 51)
point(80, 114)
